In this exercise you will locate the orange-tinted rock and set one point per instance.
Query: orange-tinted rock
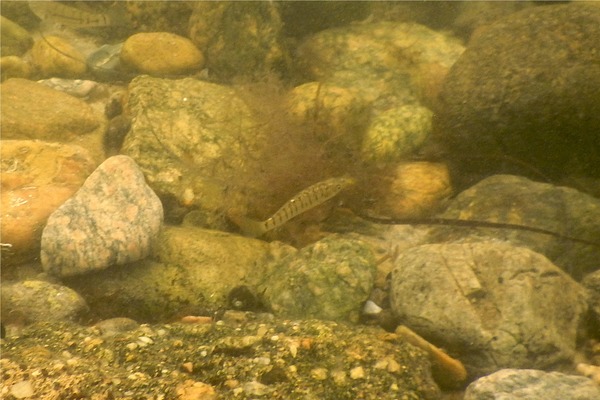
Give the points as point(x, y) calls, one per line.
point(417, 189)
point(34, 111)
point(37, 177)
point(54, 56)
point(161, 53)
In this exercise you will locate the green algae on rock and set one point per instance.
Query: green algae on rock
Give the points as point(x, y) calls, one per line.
point(191, 271)
point(329, 279)
point(190, 138)
point(395, 133)
point(31, 301)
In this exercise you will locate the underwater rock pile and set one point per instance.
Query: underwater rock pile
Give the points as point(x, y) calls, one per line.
point(371, 199)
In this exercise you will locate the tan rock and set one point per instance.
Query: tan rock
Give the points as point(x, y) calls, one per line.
point(30, 110)
point(37, 177)
point(54, 56)
point(161, 53)
point(15, 39)
point(417, 189)
point(14, 67)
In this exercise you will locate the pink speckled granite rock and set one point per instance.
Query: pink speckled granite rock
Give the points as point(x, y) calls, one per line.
point(111, 220)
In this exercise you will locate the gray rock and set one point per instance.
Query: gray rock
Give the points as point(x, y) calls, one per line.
point(330, 280)
point(39, 301)
point(512, 384)
point(490, 304)
point(527, 87)
point(516, 200)
point(112, 220)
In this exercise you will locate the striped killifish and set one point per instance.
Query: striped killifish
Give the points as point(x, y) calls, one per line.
point(73, 17)
point(309, 198)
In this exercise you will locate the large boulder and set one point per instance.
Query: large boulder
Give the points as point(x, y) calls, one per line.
point(490, 304)
point(525, 91)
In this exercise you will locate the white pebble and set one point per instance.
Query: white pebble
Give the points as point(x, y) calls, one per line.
point(22, 389)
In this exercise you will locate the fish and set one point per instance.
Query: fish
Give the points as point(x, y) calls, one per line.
point(73, 17)
point(310, 197)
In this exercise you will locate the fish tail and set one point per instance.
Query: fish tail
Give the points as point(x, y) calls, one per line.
point(248, 226)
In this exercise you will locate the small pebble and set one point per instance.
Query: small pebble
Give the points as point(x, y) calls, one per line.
point(357, 373)
point(74, 87)
point(255, 388)
point(22, 389)
point(187, 367)
point(370, 308)
point(319, 374)
point(113, 326)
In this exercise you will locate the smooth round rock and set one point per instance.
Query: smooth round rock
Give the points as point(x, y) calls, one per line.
point(161, 53)
point(416, 189)
point(34, 301)
point(54, 56)
point(34, 111)
point(112, 220)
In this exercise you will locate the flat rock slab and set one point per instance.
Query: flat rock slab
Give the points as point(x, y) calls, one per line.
point(516, 200)
point(111, 220)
